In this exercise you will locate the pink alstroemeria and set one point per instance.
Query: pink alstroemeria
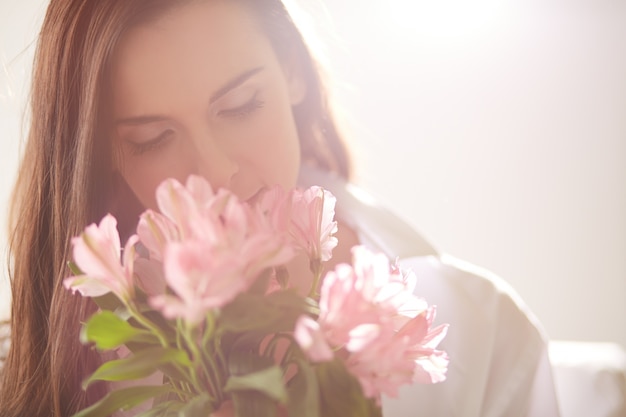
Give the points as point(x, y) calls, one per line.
point(241, 230)
point(201, 278)
point(274, 208)
point(370, 312)
point(312, 340)
point(312, 222)
point(155, 232)
point(422, 341)
point(223, 246)
point(185, 206)
point(97, 254)
point(403, 357)
point(382, 366)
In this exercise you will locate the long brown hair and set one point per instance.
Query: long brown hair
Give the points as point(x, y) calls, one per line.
point(66, 181)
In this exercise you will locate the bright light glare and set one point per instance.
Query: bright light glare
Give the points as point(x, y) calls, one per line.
point(447, 18)
point(312, 21)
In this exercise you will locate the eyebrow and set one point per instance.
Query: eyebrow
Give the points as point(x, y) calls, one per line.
point(222, 91)
point(234, 83)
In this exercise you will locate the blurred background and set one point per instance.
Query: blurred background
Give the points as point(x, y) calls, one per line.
point(496, 127)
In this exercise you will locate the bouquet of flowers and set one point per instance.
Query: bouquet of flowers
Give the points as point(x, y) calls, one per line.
point(203, 294)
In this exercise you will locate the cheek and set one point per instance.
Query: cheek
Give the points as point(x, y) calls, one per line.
point(275, 153)
point(143, 185)
point(144, 174)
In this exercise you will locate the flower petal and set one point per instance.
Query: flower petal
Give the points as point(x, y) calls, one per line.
point(308, 335)
point(86, 286)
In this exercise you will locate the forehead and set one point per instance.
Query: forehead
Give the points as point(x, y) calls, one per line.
point(187, 50)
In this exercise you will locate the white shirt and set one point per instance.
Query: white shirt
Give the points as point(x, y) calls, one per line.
point(498, 355)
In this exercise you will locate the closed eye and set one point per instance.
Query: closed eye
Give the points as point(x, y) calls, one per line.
point(139, 148)
point(244, 110)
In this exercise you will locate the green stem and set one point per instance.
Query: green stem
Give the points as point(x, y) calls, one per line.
point(288, 354)
point(212, 376)
point(210, 372)
point(178, 389)
point(195, 354)
point(223, 364)
point(143, 320)
point(209, 329)
point(315, 265)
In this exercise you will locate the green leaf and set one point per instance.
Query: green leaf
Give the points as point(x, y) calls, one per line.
point(169, 409)
point(109, 331)
point(170, 398)
point(248, 312)
point(268, 381)
point(123, 399)
point(304, 396)
point(276, 312)
point(139, 365)
point(333, 377)
point(253, 404)
point(200, 406)
point(171, 371)
point(245, 361)
point(167, 329)
point(247, 371)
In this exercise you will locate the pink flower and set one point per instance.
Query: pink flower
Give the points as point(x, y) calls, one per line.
point(311, 339)
point(97, 254)
point(186, 206)
point(382, 366)
point(312, 222)
point(422, 340)
point(202, 277)
point(403, 357)
point(155, 232)
point(370, 312)
point(213, 247)
point(345, 308)
point(274, 208)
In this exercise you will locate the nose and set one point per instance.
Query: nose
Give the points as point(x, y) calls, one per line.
point(214, 162)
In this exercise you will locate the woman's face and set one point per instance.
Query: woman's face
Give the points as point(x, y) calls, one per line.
point(200, 91)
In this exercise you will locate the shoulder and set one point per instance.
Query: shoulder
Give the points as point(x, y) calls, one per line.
point(454, 281)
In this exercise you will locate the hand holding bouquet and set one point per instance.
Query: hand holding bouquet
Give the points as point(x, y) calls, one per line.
point(202, 294)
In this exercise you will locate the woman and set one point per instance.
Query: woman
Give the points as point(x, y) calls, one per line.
point(129, 92)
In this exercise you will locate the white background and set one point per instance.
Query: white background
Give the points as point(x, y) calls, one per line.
point(497, 128)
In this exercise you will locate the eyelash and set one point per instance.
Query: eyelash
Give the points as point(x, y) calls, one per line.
point(244, 110)
point(141, 148)
point(235, 113)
